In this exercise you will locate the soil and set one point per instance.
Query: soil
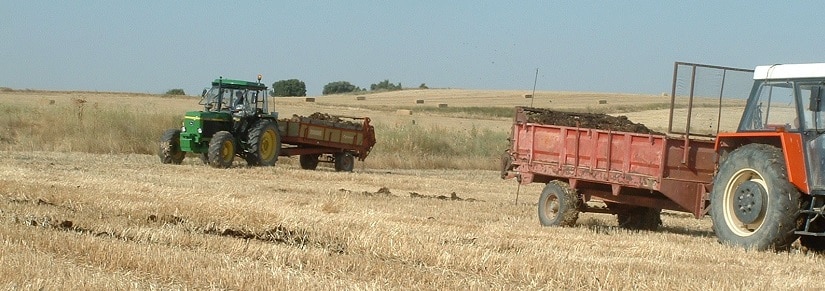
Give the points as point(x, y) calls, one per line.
point(329, 120)
point(586, 120)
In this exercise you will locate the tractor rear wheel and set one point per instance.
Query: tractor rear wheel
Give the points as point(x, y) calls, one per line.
point(221, 150)
point(309, 162)
point(753, 205)
point(170, 152)
point(264, 144)
point(639, 218)
point(344, 162)
point(558, 205)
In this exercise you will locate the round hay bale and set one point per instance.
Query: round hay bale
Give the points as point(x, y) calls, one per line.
point(602, 101)
point(419, 101)
point(442, 105)
point(403, 112)
point(361, 98)
point(310, 99)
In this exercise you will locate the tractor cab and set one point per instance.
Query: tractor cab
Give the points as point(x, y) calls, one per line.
point(790, 98)
point(241, 98)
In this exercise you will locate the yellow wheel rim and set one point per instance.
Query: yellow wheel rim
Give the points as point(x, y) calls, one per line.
point(228, 150)
point(267, 146)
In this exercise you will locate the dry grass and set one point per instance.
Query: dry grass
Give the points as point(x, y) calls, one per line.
point(74, 220)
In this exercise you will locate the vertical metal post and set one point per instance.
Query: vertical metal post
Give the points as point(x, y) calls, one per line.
point(721, 93)
point(689, 113)
point(672, 97)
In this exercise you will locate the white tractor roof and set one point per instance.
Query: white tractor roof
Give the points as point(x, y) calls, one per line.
point(789, 71)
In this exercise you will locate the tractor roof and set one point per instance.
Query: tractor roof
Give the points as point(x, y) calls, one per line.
point(238, 84)
point(790, 71)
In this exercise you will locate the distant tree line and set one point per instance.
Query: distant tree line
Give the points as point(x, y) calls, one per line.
point(297, 88)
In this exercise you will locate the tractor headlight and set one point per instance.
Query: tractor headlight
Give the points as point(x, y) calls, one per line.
point(200, 130)
point(183, 129)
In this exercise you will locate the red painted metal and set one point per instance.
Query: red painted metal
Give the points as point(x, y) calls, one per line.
point(639, 169)
point(309, 136)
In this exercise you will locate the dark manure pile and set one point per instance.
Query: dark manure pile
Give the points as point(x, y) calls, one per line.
point(586, 120)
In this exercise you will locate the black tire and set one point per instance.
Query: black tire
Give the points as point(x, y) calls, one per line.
point(344, 162)
point(170, 152)
point(264, 144)
point(309, 162)
point(639, 218)
point(221, 150)
point(753, 205)
point(558, 205)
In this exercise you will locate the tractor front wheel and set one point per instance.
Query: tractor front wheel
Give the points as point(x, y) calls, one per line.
point(753, 205)
point(170, 152)
point(344, 162)
point(558, 205)
point(264, 144)
point(221, 150)
point(309, 162)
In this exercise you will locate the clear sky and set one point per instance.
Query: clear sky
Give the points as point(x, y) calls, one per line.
point(596, 46)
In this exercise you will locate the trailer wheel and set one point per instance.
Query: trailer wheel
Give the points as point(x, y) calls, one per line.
point(170, 152)
point(753, 205)
point(344, 162)
point(309, 162)
point(558, 204)
point(264, 144)
point(221, 150)
point(639, 218)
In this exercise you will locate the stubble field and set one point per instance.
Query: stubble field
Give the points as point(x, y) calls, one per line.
point(76, 219)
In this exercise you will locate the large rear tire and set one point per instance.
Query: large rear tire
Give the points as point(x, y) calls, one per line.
point(344, 162)
point(753, 205)
point(558, 205)
point(264, 144)
point(170, 152)
point(221, 150)
point(309, 162)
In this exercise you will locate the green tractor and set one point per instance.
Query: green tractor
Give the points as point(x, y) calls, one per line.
point(235, 122)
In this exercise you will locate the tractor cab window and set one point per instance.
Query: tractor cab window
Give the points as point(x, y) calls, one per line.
point(211, 98)
point(813, 99)
point(773, 107)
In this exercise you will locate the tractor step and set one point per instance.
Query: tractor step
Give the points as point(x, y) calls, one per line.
point(808, 233)
point(815, 211)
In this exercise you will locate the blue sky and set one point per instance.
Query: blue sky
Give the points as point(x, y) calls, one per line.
point(595, 46)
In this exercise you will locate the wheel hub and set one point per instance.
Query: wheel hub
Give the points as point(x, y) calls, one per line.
point(749, 201)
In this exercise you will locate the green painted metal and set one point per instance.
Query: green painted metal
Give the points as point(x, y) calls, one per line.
point(238, 84)
point(198, 128)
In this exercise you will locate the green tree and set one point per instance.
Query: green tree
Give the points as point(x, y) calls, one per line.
point(175, 92)
point(286, 88)
point(340, 87)
point(386, 86)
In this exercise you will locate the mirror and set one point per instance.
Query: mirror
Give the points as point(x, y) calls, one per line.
point(203, 94)
point(815, 104)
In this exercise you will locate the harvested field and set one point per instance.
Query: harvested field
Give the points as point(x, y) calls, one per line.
point(89, 206)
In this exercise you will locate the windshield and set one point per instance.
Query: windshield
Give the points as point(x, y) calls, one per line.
point(224, 97)
point(773, 106)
